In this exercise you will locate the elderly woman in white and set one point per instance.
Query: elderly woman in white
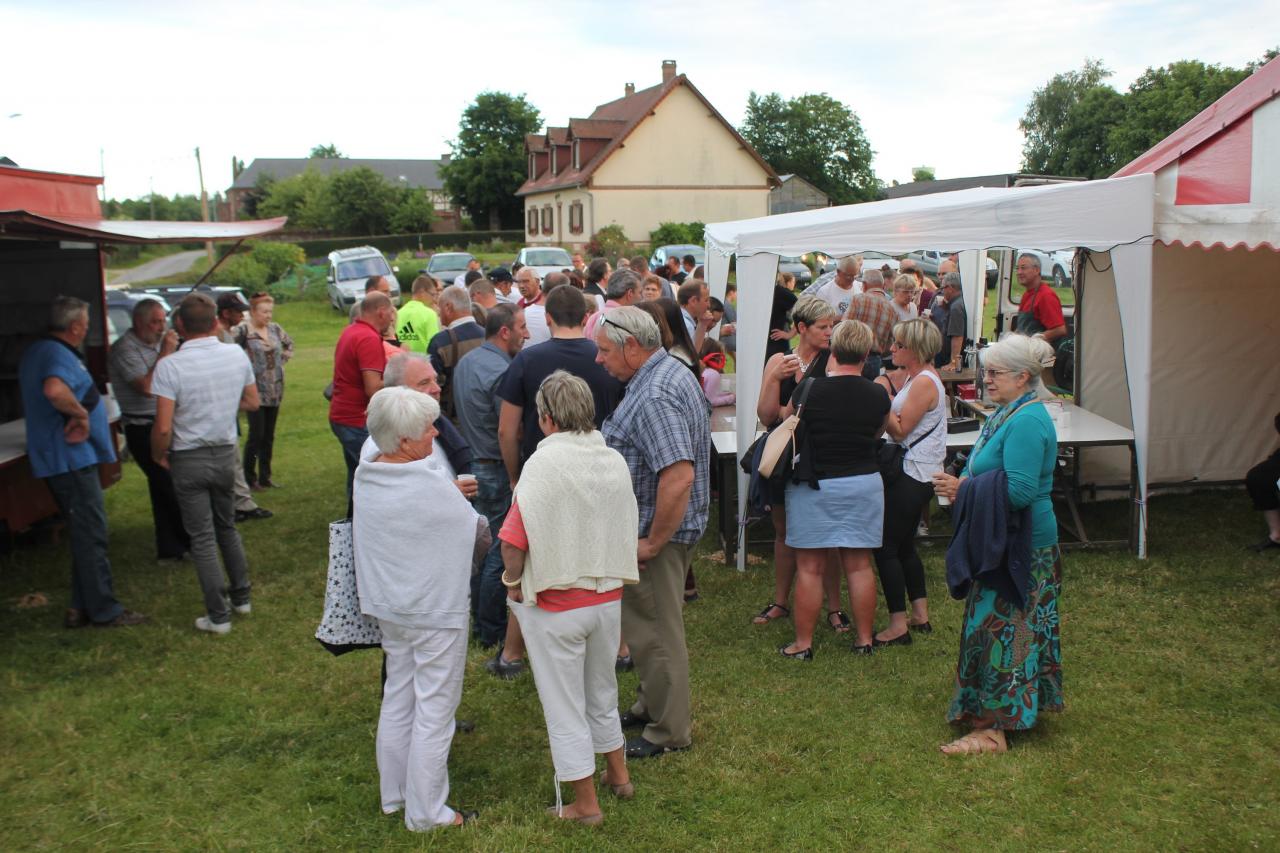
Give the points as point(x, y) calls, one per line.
point(568, 546)
point(413, 572)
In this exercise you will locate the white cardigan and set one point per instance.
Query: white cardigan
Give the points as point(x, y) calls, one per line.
point(580, 516)
point(413, 534)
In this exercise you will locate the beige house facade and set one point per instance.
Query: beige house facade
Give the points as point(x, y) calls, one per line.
point(662, 154)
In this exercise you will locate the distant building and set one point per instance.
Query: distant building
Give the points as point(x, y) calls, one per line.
point(662, 154)
point(1008, 179)
point(415, 174)
point(793, 194)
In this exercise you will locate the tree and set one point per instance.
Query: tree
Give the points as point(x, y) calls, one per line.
point(923, 173)
point(1164, 99)
point(488, 162)
point(303, 198)
point(361, 201)
point(1085, 147)
point(413, 212)
point(1046, 147)
point(668, 233)
point(329, 152)
point(815, 137)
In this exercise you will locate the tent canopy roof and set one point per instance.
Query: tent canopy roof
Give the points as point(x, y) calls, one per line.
point(21, 223)
point(1091, 214)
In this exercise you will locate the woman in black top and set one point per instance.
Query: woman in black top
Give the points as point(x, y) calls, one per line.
point(814, 319)
point(780, 330)
point(836, 499)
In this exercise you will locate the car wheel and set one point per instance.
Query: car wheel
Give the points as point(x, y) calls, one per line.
point(1059, 276)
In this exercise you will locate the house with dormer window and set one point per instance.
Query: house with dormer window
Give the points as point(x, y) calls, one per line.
point(662, 154)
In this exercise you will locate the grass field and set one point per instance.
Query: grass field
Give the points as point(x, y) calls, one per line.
point(160, 738)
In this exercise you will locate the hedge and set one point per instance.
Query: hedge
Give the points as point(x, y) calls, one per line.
point(394, 244)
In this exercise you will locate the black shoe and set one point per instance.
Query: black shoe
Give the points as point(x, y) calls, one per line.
point(1265, 545)
point(252, 514)
point(624, 663)
point(921, 627)
point(864, 650)
point(76, 618)
point(801, 654)
point(126, 619)
point(464, 726)
point(638, 747)
point(904, 640)
point(691, 597)
point(633, 721)
point(467, 816)
point(504, 669)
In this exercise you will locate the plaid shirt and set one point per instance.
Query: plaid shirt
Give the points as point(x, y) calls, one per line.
point(664, 418)
point(876, 310)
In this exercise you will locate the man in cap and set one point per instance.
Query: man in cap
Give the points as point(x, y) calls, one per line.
point(503, 282)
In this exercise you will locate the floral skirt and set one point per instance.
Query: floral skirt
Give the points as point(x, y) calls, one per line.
point(1010, 665)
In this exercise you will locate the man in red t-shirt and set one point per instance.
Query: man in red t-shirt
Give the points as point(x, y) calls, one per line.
point(358, 362)
point(1040, 311)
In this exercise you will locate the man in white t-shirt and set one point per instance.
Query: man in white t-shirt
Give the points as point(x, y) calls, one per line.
point(199, 390)
point(839, 291)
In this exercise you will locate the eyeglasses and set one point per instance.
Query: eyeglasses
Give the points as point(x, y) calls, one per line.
point(991, 372)
point(609, 322)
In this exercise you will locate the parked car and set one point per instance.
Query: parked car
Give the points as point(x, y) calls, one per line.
point(928, 260)
point(658, 259)
point(120, 303)
point(797, 268)
point(1054, 266)
point(349, 269)
point(544, 259)
point(447, 266)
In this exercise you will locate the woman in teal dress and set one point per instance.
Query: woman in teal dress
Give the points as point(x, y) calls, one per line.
point(1010, 666)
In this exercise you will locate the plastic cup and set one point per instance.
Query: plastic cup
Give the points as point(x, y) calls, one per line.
point(943, 500)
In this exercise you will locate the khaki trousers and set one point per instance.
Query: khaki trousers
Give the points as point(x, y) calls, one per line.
point(653, 624)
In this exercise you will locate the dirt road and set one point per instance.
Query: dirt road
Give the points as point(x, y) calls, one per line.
point(160, 267)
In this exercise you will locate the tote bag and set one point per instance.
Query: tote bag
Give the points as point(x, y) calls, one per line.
point(343, 628)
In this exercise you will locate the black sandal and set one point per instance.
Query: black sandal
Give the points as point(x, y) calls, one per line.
point(763, 617)
point(798, 654)
point(842, 625)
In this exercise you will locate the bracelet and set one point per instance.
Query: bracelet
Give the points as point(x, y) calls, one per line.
point(510, 584)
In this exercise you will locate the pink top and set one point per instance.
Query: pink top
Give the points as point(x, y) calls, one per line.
point(711, 387)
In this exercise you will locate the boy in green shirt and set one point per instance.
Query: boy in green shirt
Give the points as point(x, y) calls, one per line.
point(417, 321)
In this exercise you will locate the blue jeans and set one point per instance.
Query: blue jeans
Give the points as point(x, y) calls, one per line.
point(78, 495)
point(488, 595)
point(352, 439)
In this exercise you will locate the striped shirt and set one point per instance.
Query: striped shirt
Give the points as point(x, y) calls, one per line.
point(131, 359)
point(205, 379)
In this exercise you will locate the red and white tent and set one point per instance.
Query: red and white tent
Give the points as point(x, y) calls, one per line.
point(1178, 295)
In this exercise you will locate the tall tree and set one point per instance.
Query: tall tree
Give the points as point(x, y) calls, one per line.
point(815, 137)
point(329, 151)
point(361, 201)
point(1046, 147)
point(488, 162)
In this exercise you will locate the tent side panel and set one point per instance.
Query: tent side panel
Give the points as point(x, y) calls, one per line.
point(1101, 383)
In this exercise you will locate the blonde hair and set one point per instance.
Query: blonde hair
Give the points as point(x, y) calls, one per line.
point(784, 278)
point(1021, 354)
point(920, 337)
point(811, 309)
point(851, 341)
point(567, 401)
point(905, 282)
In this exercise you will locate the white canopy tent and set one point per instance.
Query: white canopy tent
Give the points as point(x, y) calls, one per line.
point(1114, 216)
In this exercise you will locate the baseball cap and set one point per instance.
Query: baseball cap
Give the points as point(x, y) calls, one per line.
point(500, 274)
point(233, 300)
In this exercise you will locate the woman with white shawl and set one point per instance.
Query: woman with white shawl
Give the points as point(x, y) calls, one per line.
point(568, 546)
point(413, 572)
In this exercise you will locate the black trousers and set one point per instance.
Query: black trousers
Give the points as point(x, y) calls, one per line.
point(260, 443)
point(171, 536)
point(1261, 483)
point(901, 572)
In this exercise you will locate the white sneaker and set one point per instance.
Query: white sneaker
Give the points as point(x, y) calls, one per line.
point(203, 624)
point(243, 609)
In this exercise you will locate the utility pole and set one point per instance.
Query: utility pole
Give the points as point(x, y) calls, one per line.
point(204, 206)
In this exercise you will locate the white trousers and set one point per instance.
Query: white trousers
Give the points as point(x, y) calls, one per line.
point(573, 653)
point(415, 728)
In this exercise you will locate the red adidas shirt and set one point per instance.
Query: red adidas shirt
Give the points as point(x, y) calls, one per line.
point(359, 349)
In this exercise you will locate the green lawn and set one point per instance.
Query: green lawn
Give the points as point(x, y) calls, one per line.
point(161, 738)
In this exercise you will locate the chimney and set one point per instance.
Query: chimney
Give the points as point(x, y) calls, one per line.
point(668, 70)
point(630, 90)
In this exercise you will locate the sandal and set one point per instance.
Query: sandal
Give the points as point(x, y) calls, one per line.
point(763, 617)
point(839, 622)
point(625, 791)
point(977, 742)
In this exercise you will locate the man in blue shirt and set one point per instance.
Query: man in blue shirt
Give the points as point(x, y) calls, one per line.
point(67, 439)
point(476, 379)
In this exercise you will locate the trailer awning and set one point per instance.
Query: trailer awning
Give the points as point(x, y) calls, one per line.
point(24, 224)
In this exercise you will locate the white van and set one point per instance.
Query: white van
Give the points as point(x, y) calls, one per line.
point(349, 269)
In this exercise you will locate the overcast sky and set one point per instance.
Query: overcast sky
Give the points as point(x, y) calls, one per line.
point(935, 83)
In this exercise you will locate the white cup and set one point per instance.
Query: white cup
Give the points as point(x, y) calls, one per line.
point(943, 500)
point(468, 477)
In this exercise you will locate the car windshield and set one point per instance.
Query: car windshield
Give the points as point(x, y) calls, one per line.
point(363, 268)
point(448, 262)
point(547, 258)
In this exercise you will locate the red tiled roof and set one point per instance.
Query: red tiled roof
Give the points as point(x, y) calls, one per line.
point(535, 142)
point(615, 121)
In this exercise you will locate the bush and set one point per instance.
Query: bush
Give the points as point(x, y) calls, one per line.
point(241, 271)
point(278, 258)
point(609, 242)
point(668, 233)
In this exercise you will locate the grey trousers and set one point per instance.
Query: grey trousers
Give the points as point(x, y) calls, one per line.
point(653, 625)
point(203, 479)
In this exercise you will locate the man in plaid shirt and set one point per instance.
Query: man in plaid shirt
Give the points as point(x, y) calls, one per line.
point(662, 428)
point(875, 308)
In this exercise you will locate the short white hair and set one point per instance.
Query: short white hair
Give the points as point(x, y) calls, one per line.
point(850, 264)
point(622, 323)
point(456, 297)
point(399, 412)
point(1021, 354)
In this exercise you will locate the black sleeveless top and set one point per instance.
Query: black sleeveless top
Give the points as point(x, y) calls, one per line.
point(818, 367)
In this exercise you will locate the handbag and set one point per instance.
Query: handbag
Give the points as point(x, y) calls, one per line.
point(778, 456)
point(890, 455)
point(343, 628)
